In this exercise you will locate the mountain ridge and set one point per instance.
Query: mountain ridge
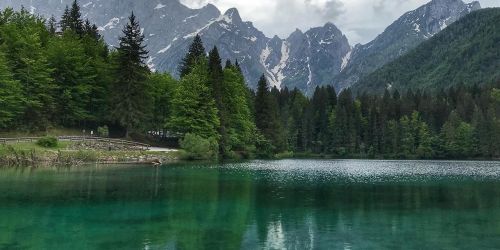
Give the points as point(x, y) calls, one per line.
point(404, 34)
point(319, 56)
point(464, 53)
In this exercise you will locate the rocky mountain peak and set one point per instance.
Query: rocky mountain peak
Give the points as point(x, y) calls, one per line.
point(233, 15)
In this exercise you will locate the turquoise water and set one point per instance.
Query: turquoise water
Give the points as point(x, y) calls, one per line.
point(290, 204)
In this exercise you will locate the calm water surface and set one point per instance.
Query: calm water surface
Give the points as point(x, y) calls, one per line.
point(290, 204)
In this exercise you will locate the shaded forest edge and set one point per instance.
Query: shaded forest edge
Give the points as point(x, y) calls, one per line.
point(62, 74)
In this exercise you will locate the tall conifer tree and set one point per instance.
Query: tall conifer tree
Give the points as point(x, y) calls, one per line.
point(131, 100)
point(266, 115)
point(10, 95)
point(75, 19)
point(216, 77)
point(65, 20)
point(196, 51)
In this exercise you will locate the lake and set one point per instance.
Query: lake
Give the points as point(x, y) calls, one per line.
point(288, 204)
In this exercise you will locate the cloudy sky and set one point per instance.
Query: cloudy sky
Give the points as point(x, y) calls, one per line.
point(360, 20)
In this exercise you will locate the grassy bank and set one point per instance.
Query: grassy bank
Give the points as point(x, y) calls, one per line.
point(31, 154)
point(50, 132)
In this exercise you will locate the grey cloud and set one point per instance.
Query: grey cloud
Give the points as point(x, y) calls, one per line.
point(332, 10)
point(381, 6)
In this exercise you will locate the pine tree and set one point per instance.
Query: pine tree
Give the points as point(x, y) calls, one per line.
point(75, 19)
point(196, 52)
point(91, 30)
point(23, 39)
point(425, 150)
point(344, 134)
point(65, 20)
point(229, 64)
point(216, 78)
point(194, 110)
point(266, 115)
point(407, 138)
point(131, 102)
point(237, 66)
point(74, 75)
point(298, 104)
point(240, 125)
point(163, 89)
point(52, 25)
point(11, 98)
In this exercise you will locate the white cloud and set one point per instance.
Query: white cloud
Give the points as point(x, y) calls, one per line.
point(360, 20)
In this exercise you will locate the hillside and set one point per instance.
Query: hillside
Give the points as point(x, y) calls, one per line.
point(467, 52)
point(402, 36)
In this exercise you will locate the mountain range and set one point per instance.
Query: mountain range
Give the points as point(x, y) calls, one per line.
point(303, 60)
point(466, 53)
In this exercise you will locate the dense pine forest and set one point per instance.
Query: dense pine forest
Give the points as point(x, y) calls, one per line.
point(62, 74)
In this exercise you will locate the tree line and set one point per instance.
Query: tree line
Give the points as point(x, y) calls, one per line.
point(63, 74)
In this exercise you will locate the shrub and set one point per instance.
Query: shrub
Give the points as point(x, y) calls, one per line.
point(199, 148)
point(285, 155)
point(103, 131)
point(47, 142)
point(265, 148)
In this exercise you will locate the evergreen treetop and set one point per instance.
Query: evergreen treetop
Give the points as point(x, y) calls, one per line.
point(196, 51)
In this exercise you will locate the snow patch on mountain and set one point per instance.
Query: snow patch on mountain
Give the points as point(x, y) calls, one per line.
point(309, 78)
point(87, 4)
point(264, 55)
point(189, 17)
point(165, 49)
point(150, 63)
point(416, 27)
point(160, 6)
point(345, 60)
point(113, 22)
point(277, 71)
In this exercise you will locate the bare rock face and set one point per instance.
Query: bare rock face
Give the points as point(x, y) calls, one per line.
point(304, 60)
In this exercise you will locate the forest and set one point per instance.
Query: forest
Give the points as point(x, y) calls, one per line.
point(62, 74)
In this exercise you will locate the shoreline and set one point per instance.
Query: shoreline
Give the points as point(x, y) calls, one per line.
point(42, 157)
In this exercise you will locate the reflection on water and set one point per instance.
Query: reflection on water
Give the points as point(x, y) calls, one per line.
point(271, 205)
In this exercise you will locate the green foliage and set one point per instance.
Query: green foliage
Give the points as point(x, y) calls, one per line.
point(193, 107)
point(458, 137)
point(48, 142)
point(465, 52)
point(63, 78)
point(192, 58)
point(24, 38)
point(213, 102)
point(11, 97)
point(131, 103)
point(163, 87)
point(199, 148)
point(458, 123)
point(267, 116)
point(103, 131)
point(240, 128)
point(73, 76)
point(425, 150)
point(495, 93)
